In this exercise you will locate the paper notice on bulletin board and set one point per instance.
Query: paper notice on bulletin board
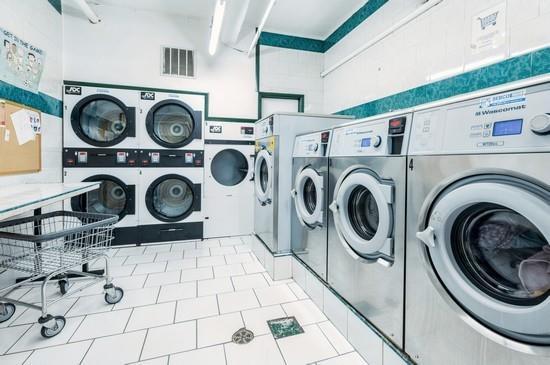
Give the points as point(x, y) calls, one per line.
point(21, 63)
point(25, 123)
point(489, 29)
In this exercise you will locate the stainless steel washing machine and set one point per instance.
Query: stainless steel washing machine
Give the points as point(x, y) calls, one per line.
point(310, 187)
point(366, 250)
point(478, 258)
point(273, 174)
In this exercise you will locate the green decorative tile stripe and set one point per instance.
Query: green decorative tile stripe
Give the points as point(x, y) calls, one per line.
point(353, 21)
point(518, 68)
point(284, 327)
point(56, 4)
point(44, 103)
point(318, 45)
point(291, 42)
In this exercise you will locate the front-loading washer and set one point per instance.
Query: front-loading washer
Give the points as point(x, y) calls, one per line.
point(228, 193)
point(99, 117)
point(478, 233)
point(171, 120)
point(366, 227)
point(310, 169)
point(170, 199)
point(117, 194)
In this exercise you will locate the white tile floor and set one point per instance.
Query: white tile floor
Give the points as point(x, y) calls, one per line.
point(182, 303)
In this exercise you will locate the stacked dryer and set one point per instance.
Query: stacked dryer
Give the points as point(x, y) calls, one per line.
point(171, 156)
point(100, 144)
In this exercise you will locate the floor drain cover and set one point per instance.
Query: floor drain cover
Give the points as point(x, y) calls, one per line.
point(284, 327)
point(242, 336)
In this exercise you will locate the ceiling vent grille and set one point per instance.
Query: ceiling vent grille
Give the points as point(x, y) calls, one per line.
point(178, 62)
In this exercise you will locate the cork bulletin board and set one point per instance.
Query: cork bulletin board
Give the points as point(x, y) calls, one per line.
point(20, 139)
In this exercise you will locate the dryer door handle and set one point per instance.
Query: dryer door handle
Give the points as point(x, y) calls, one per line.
point(427, 236)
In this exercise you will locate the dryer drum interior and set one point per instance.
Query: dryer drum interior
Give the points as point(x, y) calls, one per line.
point(229, 167)
point(102, 120)
point(171, 124)
point(112, 197)
point(264, 175)
point(492, 254)
point(170, 198)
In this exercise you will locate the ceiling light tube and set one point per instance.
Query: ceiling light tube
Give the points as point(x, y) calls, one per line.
point(217, 22)
point(88, 11)
point(261, 27)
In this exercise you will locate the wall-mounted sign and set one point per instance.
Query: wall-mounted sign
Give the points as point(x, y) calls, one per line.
point(488, 29)
point(21, 63)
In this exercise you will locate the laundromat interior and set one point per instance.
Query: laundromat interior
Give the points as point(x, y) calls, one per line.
point(275, 182)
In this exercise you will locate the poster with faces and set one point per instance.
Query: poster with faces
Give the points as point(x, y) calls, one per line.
point(21, 63)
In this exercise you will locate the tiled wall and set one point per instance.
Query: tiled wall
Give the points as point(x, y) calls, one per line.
point(45, 32)
point(125, 49)
point(291, 71)
point(433, 47)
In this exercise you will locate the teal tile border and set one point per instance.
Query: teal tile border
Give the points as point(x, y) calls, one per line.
point(318, 45)
point(291, 42)
point(44, 103)
point(518, 68)
point(207, 115)
point(352, 22)
point(56, 4)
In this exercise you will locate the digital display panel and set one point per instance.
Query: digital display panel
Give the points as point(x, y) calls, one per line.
point(507, 127)
point(365, 142)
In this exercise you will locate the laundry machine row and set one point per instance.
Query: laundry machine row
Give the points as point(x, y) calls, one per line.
point(440, 240)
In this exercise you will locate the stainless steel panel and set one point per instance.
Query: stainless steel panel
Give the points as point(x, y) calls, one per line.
point(374, 290)
point(310, 244)
point(437, 330)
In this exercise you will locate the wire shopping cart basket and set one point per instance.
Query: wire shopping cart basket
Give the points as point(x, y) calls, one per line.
point(50, 247)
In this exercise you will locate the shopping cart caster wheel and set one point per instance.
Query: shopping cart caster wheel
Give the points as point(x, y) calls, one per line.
point(63, 286)
point(54, 331)
point(6, 312)
point(117, 297)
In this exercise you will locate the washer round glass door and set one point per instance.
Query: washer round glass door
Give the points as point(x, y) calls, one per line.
point(171, 124)
point(263, 176)
point(363, 214)
point(488, 242)
point(170, 198)
point(229, 167)
point(100, 120)
point(112, 197)
point(308, 194)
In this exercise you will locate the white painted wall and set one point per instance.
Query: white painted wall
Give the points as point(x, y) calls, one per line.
point(40, 24)
point(125, 48)
point(294, 72)
point(432, 47)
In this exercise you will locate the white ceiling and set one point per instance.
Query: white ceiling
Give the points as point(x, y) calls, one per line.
point(306, 18)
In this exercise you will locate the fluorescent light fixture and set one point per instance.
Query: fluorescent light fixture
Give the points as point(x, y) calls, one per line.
point(217, 22)
point(88, 11)
point(261, 27)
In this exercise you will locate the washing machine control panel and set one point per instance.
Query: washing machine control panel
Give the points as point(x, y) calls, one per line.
point(312, 144)
point(374, 137)
point(264, 128)
point(171, 158)
point(517, 120)
point(99, 157)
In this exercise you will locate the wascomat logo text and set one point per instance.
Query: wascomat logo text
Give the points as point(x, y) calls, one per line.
point(501, 110)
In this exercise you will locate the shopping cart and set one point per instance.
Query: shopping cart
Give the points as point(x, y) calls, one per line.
point(50, 247)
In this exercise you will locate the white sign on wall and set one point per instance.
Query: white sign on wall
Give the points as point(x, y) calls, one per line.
point(488, 29)
point(21, 63)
